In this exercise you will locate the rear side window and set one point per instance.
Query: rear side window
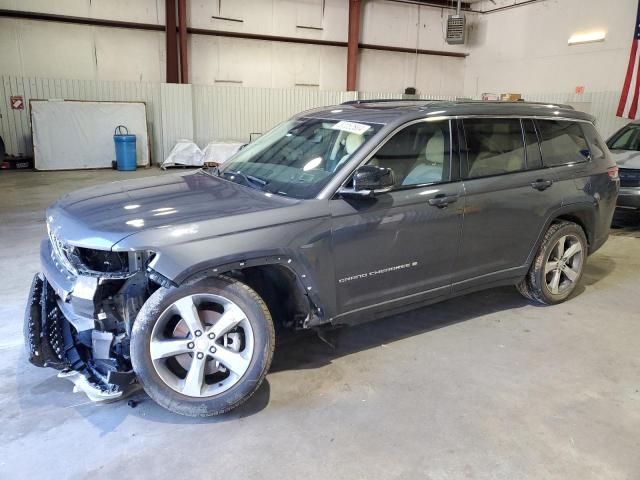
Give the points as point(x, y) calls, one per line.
point(494, 146)
point(596, 144)
point(562, 142)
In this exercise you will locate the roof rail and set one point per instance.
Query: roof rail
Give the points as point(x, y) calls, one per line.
point(526, 102)
point(385, 100)
point(408, 100)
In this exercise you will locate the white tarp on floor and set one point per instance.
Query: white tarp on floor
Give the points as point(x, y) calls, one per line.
point(187, 153)
point(76, 135)
point(220, 152)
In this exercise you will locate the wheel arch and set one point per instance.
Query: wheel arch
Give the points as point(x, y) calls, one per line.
point(584, 217)
point(283, 284)
point(582, 214)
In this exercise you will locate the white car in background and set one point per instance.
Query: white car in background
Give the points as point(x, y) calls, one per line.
point(625, 149)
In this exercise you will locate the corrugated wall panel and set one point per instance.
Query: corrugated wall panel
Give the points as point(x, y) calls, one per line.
point(234, 113)
point(602, 105)
point(177, 115)
point(15, 125)
point(4, 118)
point(209, 112)
point(436, 97)
point(378, 95)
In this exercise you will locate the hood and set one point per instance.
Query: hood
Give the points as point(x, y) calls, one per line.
point(99, 217)
point(626, 158)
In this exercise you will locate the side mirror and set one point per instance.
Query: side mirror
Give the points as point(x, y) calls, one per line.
point(370, 180)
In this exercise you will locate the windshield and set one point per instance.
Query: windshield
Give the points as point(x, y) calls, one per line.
point(626, 139)
point(298, 157)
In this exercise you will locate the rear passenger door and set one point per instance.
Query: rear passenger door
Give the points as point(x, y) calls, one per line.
point(508, 197)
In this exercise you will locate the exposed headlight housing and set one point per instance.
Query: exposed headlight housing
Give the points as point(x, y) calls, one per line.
point(60, 252)
point(103, 261)
point(98, 263)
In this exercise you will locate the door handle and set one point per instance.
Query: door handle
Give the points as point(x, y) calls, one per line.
point(441, 201)
point(541, 184)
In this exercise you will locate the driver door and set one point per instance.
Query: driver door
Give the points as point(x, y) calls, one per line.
point(399, 248)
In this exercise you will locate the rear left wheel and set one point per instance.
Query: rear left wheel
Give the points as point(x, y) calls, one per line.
point(202, 349)
point(558, 265)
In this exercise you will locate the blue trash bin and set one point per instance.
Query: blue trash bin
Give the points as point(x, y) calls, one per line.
point(125, 149)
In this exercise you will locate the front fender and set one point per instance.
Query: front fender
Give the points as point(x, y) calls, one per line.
point(303, 284)
point(304, 247)
point(306, 280)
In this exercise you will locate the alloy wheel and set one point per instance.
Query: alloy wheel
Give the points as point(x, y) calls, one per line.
point(201, 345)
point(564, 264)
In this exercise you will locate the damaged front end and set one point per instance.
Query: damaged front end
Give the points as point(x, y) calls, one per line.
point(80, 313)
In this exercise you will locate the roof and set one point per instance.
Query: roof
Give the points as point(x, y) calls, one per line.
point(397, 111)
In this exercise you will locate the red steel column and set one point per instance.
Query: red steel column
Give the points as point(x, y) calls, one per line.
point(182, 31)
point(352, 44)
point(172, 41)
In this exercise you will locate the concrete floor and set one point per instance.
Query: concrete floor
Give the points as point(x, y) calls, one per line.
point(484, 386)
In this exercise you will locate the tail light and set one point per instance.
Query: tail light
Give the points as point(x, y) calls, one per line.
point(613, 173)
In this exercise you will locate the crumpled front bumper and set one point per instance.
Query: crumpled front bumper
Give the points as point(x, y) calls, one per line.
point(72, 323)
point(74, 293)
point(46, 331)
point(49, 340)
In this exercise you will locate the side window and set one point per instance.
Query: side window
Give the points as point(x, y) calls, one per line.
point(596, 144)
point(534, 158)
point(561, 142)
point(418, 154)
point(494, 146)
point(626, 139)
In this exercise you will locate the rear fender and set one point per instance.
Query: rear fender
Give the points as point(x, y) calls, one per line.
point(581, 213)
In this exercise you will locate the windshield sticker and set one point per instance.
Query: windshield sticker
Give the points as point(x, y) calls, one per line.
point(351, 127)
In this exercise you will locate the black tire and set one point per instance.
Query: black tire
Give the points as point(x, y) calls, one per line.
point(534, 285)
point(264, 342)
point(523, 288)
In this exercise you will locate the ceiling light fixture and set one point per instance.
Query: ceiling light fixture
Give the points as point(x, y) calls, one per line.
point(591, 37)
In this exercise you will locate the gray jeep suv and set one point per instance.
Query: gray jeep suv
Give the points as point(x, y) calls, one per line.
point(338, 216)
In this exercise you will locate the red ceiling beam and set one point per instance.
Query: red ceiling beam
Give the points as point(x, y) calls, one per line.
point(352, 44)
point(172, 41)
point(182, 34)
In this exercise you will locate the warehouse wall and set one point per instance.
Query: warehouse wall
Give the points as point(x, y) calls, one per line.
point(209, 112)
point(524, 49)
point(46, 49)
point(202, 113)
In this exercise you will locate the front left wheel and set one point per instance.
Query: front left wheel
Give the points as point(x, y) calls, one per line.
point(202, 349)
